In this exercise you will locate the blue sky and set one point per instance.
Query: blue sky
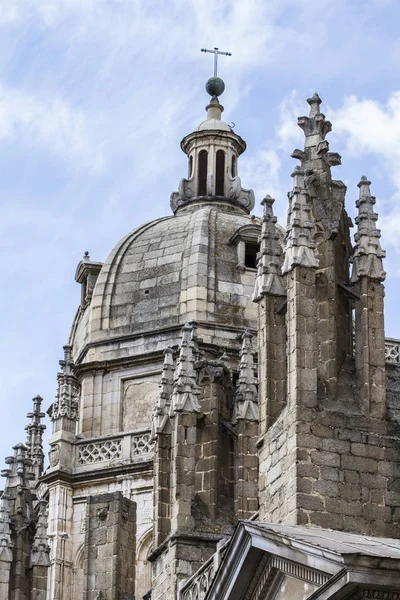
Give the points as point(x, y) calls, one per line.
point(95, 96)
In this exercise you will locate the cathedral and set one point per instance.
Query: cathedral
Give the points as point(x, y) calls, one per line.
point(227, 418)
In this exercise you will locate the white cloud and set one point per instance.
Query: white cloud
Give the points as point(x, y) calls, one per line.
point(51, 123)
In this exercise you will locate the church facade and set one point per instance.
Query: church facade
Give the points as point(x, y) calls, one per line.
point(227, 417)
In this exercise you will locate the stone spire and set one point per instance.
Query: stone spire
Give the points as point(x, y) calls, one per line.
point(40, 552)
point(327, 195)
point(34, 442)
point(246, 393)
point(64, 412)
point(368, 254)
point(162, 407)
point(185, 390)
point(269, 279)
point(299, 242)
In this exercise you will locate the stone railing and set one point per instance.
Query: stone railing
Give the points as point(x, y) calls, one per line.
point(109, 450)
point(198, 585)
point(392, 351)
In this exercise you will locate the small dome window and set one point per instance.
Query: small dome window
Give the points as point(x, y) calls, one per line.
point(190, 166)
point(220, 173)
point(246, 240)
point(233, 166)
point(250, 254)
point(202, 171)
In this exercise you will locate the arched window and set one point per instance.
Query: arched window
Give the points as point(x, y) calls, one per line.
point(202, 170)
point(233, 166)
point(220, 173)
point(190, 166)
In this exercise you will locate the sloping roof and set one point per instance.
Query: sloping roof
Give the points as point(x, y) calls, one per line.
point(336, 563)
point(338, 541)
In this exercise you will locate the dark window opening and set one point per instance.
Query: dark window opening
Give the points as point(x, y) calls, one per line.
point(220, 173)
point(250, 257)
point(233, 166)
point(202, 161)
point(190, 167)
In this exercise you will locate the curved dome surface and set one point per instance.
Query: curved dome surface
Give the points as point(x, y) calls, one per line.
point(170, 271)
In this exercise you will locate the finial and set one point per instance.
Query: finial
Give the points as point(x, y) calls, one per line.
point(215, 86)
point(86, 255)
point(368, 253)
point(314, 103)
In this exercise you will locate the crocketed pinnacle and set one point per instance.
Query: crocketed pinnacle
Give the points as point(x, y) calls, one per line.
point(162, 407)
point(66, 403)
point(269, 279)
point(185, 390)
point(34, 441)
point(299, 242)
point(17, 489)
point(40, 551)
point(368, 254)
point(246, 394)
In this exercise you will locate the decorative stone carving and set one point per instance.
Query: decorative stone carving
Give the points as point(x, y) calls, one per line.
point(142, 445)
point(95, 452)
point(392, 351)
point(54, 455)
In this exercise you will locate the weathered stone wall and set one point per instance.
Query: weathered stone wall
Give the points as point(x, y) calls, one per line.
point(333, 467)
point(109, 564)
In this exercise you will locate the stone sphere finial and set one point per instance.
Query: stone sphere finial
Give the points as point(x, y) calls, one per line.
point(215, 86)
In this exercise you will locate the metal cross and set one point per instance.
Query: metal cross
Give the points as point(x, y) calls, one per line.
point(216, 52)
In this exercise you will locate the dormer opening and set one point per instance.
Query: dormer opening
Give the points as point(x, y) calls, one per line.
point(190, 166)
point(202, 173)
point(250, 256)
point(220, 173)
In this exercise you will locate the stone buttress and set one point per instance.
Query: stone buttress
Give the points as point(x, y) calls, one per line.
point(205, 466)
point(327, 454)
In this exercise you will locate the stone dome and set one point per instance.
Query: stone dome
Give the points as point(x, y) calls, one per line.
point(213, 124)
point(165, 273)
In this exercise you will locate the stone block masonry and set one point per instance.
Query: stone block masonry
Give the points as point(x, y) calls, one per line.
point(110, 540)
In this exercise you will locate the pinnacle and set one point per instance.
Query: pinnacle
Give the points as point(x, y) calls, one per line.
point(368, 253)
